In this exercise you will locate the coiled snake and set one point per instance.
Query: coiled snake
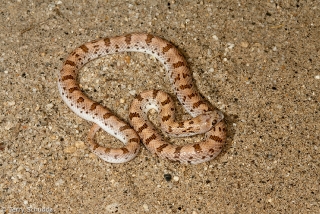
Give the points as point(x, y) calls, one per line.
point(206, 119)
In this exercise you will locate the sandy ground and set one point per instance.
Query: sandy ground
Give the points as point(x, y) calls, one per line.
point(256, 61)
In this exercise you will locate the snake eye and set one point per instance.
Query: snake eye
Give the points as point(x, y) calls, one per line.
point(214, 122)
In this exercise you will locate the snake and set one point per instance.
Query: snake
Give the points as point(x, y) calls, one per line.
point(204, 117)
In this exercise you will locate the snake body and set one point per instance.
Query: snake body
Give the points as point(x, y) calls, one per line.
point(206, 119)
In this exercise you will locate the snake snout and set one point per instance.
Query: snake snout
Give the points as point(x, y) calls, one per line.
point(217, 118)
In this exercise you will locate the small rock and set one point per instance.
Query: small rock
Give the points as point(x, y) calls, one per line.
point(59, 182)
point(145, 207)
point(49, 106)
point(167, 177)
point(80, 145)
point(11, 103)
point(244, 44)
point(113, 208)
point(70, 149)
point(133, 92)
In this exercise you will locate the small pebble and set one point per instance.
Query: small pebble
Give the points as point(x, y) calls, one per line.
point(59, 182)
point(145, 207)
point(11, 103)
point(244, 44)
point(49, 106)
point(113, 208)
point(167, 177)
point(133, 92)
point(215, 37)
point(230, 45)
point(70, 149)
point(80, 144)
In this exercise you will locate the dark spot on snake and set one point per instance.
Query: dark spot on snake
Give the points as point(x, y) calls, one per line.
point(211, 151)
point(215, 138)
point(144, 126)
point(84, 48)
point(124, 127)
point(93, 106)
point(80, 100)
point(160, 148)
point(197, 148)
point(180, 124)
point(149, 139)
point(191, 95)
point(154, 93)
point(185, 75)
point(187, 86)
point(139, 97)
point(128, 39)
point(177, 152)
point(69, 62)
point(167, 48)
point(167, 101)
point(107, 42)
point(67, 77)
point(125, 150)
point(107, 115)
point(133, 114)
point(178, 64)
point(71, 90)
point(197, 104)
point(166, 118)
point(149, 39)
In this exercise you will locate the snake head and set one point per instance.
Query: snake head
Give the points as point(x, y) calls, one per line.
point(208, 120)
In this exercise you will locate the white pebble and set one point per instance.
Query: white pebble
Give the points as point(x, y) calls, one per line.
point(230, 45)
point(80, 144)
point(175, 178)
point(133, 92)
point(145, 207)
point(70, 149)
point(8, 126)
point(114, 207)
point(11, 103)
point(49, 106)
point(59, 182)
point(244, 44)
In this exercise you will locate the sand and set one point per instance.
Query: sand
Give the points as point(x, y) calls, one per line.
point(256, 61)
